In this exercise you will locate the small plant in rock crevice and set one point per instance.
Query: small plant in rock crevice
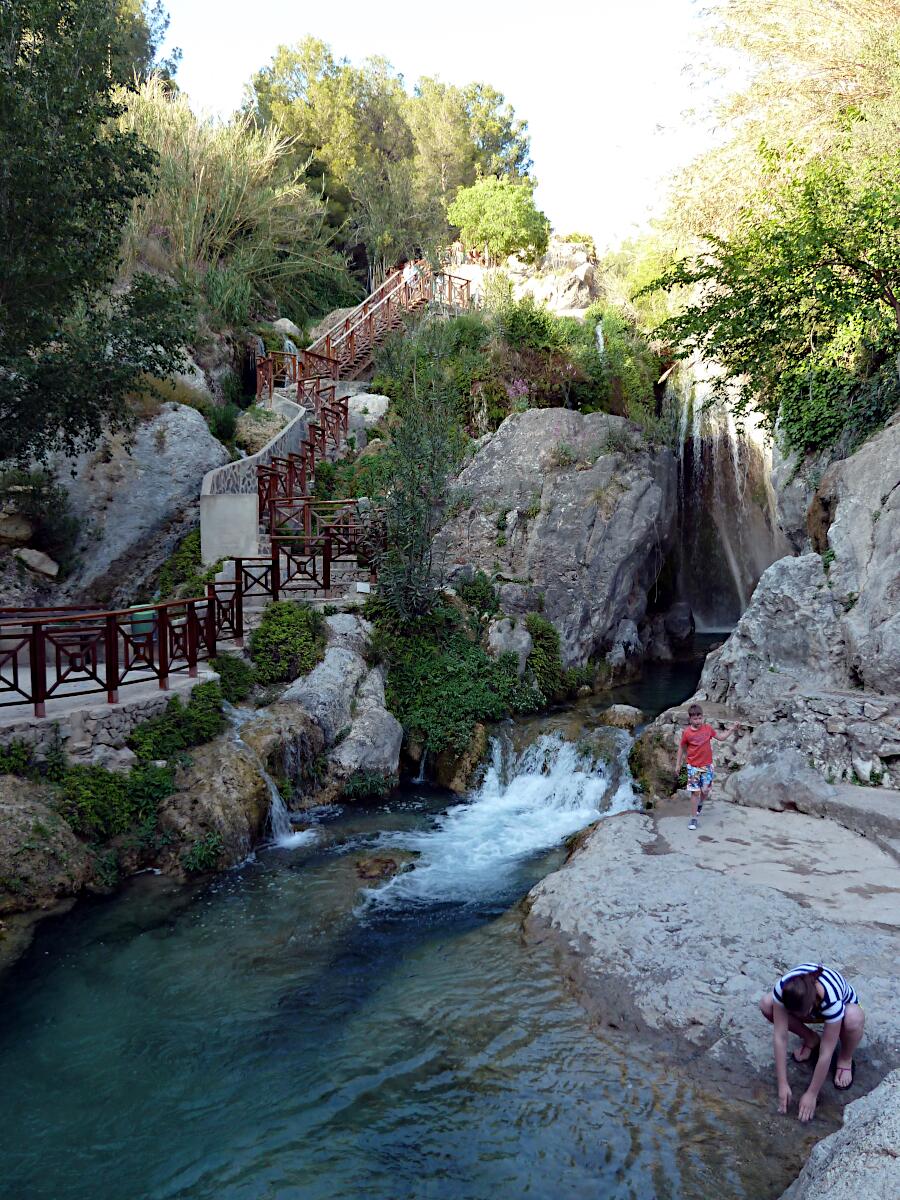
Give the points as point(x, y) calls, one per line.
point(368, 785)
point(203, 855)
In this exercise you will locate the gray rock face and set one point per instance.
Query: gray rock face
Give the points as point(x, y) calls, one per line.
point(680, 933)
point(863, 492)
point(41, 859)
point(577, 512)
point(790, 635)
point(565, 279)
point(35, 560)
point(860, 1161)
point(507, 636)
point(345, 699)
point(134, 505)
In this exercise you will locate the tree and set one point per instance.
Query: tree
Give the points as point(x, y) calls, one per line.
point(501, 140)
point(142, 30)
point(500, 216)
point(70, 350)
point(802, 302)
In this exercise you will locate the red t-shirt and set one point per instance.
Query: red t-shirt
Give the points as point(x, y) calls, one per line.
point(698, 743)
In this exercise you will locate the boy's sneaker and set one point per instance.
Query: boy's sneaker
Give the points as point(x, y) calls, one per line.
point(692, 823)
point(699, 807)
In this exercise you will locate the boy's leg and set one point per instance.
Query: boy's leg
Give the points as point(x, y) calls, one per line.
point(693, 790)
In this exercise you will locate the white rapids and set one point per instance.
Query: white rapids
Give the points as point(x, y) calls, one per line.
point(526, 805)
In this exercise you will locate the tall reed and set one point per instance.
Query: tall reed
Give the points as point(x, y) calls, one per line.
point(228, 211)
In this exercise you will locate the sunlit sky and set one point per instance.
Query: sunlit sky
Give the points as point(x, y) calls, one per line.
point(602, 84)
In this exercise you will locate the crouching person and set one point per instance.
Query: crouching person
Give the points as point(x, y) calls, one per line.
point(804, 996)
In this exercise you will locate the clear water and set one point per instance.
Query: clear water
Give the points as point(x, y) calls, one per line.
point(292, 1031)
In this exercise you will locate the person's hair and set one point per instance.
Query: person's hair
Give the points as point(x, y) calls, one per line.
point(695, 708)
point(798, 994)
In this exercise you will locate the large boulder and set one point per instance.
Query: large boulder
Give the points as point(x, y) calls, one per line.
point(574, 514)
point(135, 501)
point(221, 795)
point(855, 516)
point(506, 635)
point(860, 1161)
point(42, 862)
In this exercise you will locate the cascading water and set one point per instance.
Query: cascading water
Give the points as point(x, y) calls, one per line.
point(728, 532)
point(528, 803)
point(280, 825)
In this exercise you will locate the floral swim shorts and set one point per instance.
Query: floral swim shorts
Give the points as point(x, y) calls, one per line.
point(699, 778)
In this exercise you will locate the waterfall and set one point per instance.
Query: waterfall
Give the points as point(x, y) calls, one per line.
point(281, 827)
point(528, 802)
point(726, 519)
point(420, 778)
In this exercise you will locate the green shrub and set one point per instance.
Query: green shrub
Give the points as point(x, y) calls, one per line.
point(479, 594)
point(544, 661)
point(236, 677)
point(368, 785)
point(15, 759)
point(440, 690)
point(36, 496)
point(183, 573)
point(181, 725)
point(223, 422)
point(562, 456)
point(203, 855)
point(100, 804)
point(288, 642)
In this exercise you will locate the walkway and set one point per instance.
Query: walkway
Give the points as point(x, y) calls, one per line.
point(301, 546)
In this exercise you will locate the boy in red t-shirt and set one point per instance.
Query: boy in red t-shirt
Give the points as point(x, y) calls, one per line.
point(696, 742)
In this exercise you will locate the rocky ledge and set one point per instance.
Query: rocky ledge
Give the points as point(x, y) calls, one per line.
point(676, 935)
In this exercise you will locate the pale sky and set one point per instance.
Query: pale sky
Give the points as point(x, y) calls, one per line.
point(602, 84)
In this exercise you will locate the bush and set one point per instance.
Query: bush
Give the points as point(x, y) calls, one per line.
point(223, 422)
point(544, 661)
point(440, 691)
point(368, 785)
point(479, 594)
point(183, 573)
point(100, 804)
point(288, 642)
point(37, 497)
point(236, 677)
point(203, 855)
point(181, 725)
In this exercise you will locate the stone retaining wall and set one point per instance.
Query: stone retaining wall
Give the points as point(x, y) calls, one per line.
point(97, 733)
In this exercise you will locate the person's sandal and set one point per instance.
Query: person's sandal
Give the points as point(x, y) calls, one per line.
point(843, 1087)
point(811, 1059)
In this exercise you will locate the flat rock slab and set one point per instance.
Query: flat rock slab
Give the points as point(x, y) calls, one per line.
point(677, 934)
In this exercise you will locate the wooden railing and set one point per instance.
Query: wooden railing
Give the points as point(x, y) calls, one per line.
point(90, 651)
point(350, 344)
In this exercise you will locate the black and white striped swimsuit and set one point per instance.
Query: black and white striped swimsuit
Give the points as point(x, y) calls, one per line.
point(838, 992)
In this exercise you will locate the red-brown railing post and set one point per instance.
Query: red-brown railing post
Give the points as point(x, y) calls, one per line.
point(276, 568)
point(210, 620)
point(326, 564)
point(162, 631)
point(38, 656)
point(112, 659)
point(191, 638)
point(239, 601)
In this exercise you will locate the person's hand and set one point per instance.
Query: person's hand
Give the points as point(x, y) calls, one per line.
point(807, 1107)
point(785, 1095)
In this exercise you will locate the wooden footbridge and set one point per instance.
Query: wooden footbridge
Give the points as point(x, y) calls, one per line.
point(64, 652)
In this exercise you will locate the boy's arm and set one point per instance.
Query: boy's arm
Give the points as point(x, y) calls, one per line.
point(726, 734)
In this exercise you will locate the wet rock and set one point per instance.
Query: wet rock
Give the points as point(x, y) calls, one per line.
point(508, 636)
point(41, 860)
point(373, 742)
point(621, 716)
point(860, 1161)
point(679, 621)
point(378, 867)
point(288, 742)
point(221, 795)
point(654, 952)
point(456, 771)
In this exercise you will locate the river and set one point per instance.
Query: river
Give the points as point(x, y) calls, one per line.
point(290, 1031)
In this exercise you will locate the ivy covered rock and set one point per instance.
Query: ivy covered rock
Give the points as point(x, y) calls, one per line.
point(41, 860)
